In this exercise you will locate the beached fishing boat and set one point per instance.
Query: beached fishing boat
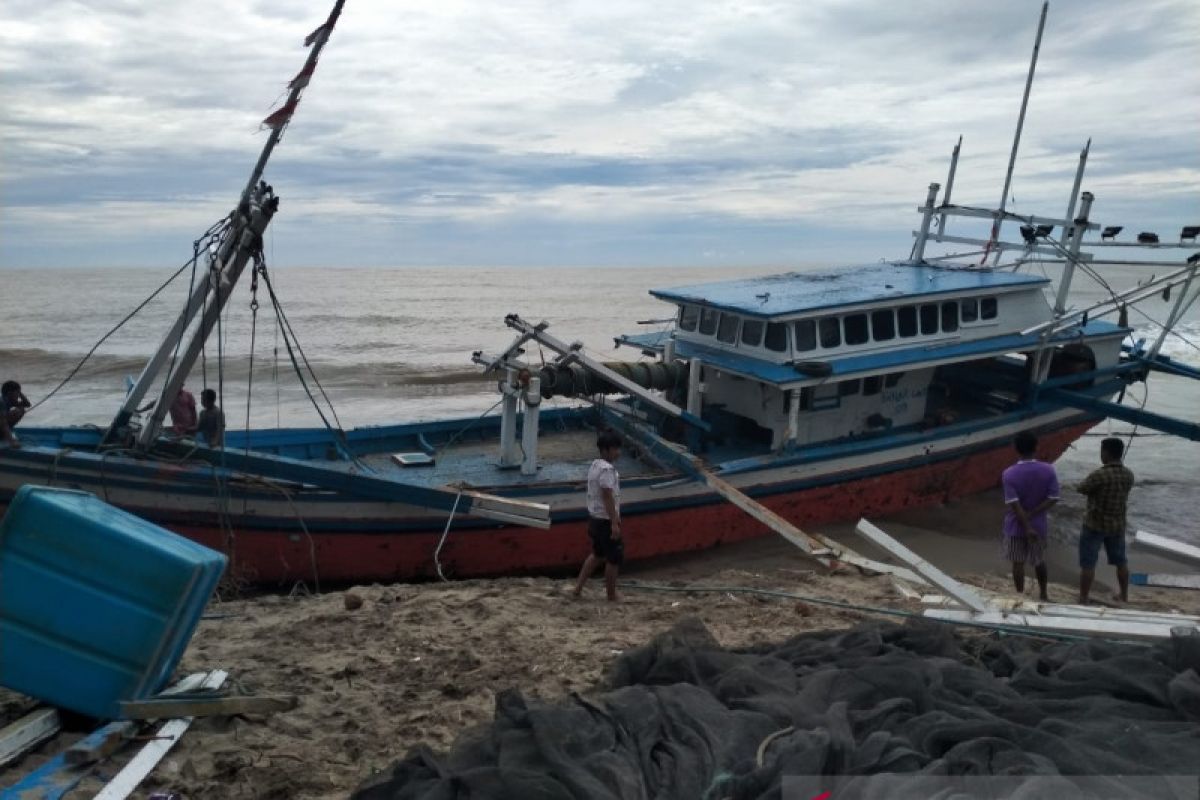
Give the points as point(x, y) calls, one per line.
point(823, 396)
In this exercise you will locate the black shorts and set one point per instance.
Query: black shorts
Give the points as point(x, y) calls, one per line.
point(603, 544)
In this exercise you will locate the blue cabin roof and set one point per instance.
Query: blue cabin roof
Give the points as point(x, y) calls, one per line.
point(796, 292)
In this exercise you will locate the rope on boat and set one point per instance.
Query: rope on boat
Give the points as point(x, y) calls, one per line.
point(290, 339)
point(468, 426)
point(87, 356)
point(437, 553)
point(312, 544)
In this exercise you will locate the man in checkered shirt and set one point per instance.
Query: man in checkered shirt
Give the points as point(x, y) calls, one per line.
point(1107, 491)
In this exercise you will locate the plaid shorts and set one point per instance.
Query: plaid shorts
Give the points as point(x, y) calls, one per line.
point(1021, 549)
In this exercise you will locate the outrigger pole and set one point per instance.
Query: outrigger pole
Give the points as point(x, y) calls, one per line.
point(1012, 157)
point(242, 240)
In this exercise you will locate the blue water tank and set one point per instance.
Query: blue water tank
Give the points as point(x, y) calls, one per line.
point(96, 605)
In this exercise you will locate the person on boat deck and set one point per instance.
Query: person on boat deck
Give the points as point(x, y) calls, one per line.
point(604, 516)
point(212, 419)
point(13, 403)
point(1030, 489)
point(183, 413)
point(1107, 490)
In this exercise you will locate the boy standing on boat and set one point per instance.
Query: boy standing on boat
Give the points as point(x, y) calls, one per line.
point(211, 424)
point(1107, 490)
point(604, 516)
point(1030, 489)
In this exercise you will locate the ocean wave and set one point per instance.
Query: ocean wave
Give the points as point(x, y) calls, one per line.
point(1182, 344)
point(35, 366)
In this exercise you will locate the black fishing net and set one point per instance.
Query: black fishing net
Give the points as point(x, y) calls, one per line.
point(685, 718)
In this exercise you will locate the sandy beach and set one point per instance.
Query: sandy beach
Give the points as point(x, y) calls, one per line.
point(418, 664)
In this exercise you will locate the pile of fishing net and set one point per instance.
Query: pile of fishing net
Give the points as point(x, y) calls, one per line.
point(685, 718)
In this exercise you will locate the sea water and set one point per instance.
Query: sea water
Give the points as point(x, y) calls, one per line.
point(395, 345)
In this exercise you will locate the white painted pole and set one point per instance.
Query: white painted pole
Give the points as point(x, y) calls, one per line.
point(695, 403)
point(508, 420)
point(529, 433)
point(793, 428)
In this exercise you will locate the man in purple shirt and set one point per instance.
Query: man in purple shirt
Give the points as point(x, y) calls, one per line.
point(1030, 489)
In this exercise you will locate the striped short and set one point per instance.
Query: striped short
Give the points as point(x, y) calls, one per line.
point(1021, 549)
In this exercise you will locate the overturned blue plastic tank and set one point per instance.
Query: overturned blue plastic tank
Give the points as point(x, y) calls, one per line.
point(96, 605)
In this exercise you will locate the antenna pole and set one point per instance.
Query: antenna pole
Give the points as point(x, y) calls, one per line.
point(1012, 158)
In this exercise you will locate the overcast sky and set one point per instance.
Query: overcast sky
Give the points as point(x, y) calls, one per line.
point(580, 133)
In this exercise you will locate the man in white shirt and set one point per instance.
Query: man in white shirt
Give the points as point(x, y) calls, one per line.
point(604, 516)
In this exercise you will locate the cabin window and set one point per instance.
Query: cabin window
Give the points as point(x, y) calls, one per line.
point(831, 332)
point(688, 317)
point(806, 335)
point(970, 310)
point(949, 316)
point(752, 331)
point(776, 338)
point(846, 388)
point(708, 321)
point(856, 328)
point(906, 321)
point(987, 308)
point(929, 319)
point(727, 331)
point(891, 380)
point(883, 325)
point(825, 397)
point(872, 385)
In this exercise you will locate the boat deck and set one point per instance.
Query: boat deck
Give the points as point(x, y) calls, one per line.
point(563, 457)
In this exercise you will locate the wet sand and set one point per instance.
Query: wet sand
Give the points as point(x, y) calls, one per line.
point(417, 664)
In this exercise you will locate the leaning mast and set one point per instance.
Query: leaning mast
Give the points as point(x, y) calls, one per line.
point(241, 242)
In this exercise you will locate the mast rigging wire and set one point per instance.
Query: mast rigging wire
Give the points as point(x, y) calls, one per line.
point(190, 262)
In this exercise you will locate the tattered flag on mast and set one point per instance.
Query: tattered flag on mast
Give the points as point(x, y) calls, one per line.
point(279, 117)
point(301, 79)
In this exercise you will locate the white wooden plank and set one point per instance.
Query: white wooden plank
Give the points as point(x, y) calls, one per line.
point(1165, 580)
point(126, 781)
point(905, 588)
point(26, 733)
point(1108, 628)
point(1105, 612)
point(964, 594)
point(848, 556)
point(1167, 545)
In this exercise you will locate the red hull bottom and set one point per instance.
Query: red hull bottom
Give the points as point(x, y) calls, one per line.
point(270, 557)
